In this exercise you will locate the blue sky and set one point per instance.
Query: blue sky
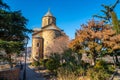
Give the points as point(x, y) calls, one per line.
point(70, 14)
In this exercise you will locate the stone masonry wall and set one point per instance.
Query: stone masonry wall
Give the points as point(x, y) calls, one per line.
point(48, 20)
point(37, 45)
point(48, 36)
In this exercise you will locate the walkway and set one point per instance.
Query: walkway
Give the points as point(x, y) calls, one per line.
point(31, 74)
point(117, 76)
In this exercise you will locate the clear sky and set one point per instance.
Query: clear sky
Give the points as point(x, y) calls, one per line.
point(70, 14)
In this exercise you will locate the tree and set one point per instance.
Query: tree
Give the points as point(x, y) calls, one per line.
point(59, 45)
point(10, 48)
point(13, 31)
point(112, 44)
point(110, 15)
point(94, 39)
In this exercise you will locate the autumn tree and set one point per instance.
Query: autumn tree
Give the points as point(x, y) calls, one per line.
point(59, 45)
point(95, 39)
point(111, 17)
point(111, 42)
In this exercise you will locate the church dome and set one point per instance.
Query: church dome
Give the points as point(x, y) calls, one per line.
point(48, 19)
point(48, 13)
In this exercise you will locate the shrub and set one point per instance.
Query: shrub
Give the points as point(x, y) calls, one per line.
point(82, 72)
point(52, 64)
point(97, 75)
point(65, 74)
point(111, 68)
point(90, 73)
point(102, 75)
point(42, 62)
point(104, 66)
point(100, 65)
point(35, 63)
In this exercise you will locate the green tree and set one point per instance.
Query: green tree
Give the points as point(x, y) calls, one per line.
point(13, 31)
point(110, 15)
point(10, 47)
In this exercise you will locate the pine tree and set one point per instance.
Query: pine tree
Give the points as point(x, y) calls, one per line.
point(13, 31)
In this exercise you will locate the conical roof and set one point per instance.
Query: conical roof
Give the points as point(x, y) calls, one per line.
point(48, 13)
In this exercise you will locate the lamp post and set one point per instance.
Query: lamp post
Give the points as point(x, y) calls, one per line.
point(25, 42)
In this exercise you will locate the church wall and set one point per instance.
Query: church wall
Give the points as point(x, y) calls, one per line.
point(45, 36)
point(37, 48)
point(48, 20)
point(49, 36)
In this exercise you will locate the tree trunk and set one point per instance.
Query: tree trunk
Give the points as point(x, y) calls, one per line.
point(115, 21)
point(94, 57)
point(10, 61)
point(116, 59)
point(93, 62)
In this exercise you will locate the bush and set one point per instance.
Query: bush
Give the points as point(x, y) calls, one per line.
point(65, 74)
point(80, 71)
point(100, 65)
point(102, 75)
point(52, 64)
point(90, 73)
point(97, 75)
point(43, 62)
point(35, 63)
point(104, 66)
point(111, 68)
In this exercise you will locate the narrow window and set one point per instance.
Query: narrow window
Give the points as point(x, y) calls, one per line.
point(49, 21)
point(37, 44)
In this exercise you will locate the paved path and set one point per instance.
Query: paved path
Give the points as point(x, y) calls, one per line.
point(117, 76)
point(31, 74)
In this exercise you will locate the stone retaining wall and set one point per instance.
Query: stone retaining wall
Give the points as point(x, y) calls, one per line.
point(11, 74)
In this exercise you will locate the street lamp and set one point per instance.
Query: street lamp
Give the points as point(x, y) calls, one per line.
point(25, 42)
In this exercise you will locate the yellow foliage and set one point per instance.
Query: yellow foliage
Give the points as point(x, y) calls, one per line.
point(99, 47)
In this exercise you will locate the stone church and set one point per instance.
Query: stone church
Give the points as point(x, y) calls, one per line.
point(43, 37)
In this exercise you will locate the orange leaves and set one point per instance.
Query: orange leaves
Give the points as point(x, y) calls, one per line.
point(115, 38)
point(116, 47)
point(94, 46)
point(98, 36)
point(113, 42)
point(108, 32)
point(91, 34)
point(98, 48)
point(110, 39)
point(109, 43)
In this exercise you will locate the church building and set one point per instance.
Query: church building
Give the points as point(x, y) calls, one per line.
point(43, 37)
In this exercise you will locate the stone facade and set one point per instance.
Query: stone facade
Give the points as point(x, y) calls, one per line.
point(48, 20)
point(43, 37)
point(37, 47)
